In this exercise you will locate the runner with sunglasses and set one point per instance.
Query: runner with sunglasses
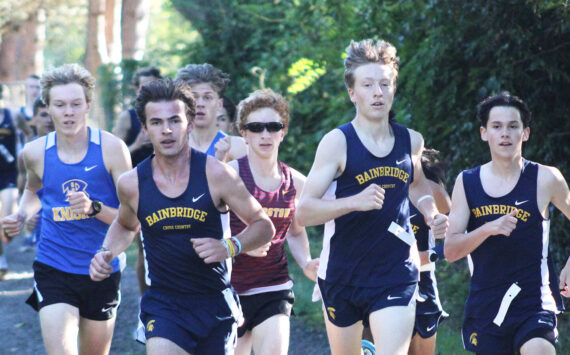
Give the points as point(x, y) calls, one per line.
point(363, 173)
point(261, 277)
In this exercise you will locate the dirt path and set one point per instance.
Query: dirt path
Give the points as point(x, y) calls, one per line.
point(19, 324)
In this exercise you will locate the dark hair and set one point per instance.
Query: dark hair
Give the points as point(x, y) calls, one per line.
point(164, 90)
point(204, 73)
point(503, 99)
point(230, 108)
point(147, 71)
point(33, 76)
point(433, 168)
point(38, 103)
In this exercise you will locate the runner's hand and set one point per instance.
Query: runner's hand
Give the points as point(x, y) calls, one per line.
point(209, 249)
point(223, 147)
point(503, 225)
point(79, 202)
point(261, 251)
point(371, 198)
point(438, 225)
point(310, 269)
point(12, 225)
point(100, 267)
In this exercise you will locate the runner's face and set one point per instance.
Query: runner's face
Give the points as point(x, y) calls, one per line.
point(167, 127)
point(373, 91)
point(32, 89)
point(68, 108)
point(505, 132)
point(43, 122)
point(264, 144)
point(207, 104)
point(223, 121)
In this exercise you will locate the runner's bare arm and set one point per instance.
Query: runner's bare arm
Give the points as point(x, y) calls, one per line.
point(420, 188)
point(123, 229)
point(30, 204)
point(329, 163)
point(117, 161)
point(297, 236)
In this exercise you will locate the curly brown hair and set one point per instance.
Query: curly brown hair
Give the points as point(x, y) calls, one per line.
point(365, 52)
point(261, 99)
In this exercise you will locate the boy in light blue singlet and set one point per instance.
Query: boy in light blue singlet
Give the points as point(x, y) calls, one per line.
point(76, 167)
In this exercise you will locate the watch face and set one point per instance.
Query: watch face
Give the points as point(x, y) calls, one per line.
point(96, 206)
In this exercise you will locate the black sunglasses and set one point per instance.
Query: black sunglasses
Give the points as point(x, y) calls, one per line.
point(257, 127)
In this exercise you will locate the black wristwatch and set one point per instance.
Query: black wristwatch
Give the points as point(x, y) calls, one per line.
point(96, 206)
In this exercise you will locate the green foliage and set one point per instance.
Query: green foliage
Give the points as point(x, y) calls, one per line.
point(453, 54)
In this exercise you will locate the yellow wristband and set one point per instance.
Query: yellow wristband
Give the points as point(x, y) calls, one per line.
point(231, 246)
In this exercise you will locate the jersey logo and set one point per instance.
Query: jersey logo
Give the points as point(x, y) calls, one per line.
point(331, 311)
point(150, 325)
point(285, 192)
point(430, 328)
point(543, 322)
point(473, 339)
point(74, 185)
point(106, 309)
point(517, 203)
point(90, 168)
point(390, 297)
point(194, 199)
point(398, 162)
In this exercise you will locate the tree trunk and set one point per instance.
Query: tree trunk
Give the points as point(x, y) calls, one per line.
point(113, 30)
point(96, 47)
point(134, 27)
point(9, 47)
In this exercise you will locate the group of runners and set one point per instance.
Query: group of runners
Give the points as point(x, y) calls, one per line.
point(212, 212)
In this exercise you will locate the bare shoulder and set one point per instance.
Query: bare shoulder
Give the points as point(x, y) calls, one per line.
point(549, 176)
point(111, 142)
point(128, 185)
point(218, 172)
point(115, 151)
point(33, 151)
point(333, 145)
point(416, 140)
point(298, 180)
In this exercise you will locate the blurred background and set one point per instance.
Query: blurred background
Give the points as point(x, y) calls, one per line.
point(453, 54)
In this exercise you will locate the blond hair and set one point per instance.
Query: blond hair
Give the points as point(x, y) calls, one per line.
point(67, 74)
point(365, 52)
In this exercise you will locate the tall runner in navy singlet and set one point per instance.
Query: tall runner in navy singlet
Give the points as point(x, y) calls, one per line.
point(261, 277)
point(208, 84)
point(179, 198)
point(503, 206)
point(369, 264)
point(76, 167)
